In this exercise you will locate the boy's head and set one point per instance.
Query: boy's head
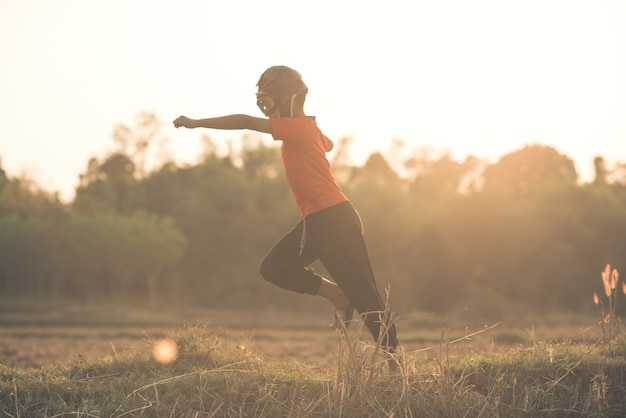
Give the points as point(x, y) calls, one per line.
point(281, 88)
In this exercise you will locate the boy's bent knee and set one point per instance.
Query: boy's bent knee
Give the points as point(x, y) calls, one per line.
point(271, 272)
point(266, 270)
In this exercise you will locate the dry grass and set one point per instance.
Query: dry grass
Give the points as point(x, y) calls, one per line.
point(35, 335)
point(211, 379)
point(231, 366)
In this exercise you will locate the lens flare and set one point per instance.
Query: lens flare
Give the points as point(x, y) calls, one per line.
point(165, 351)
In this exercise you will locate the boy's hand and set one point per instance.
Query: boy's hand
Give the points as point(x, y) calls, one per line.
point(183, 121)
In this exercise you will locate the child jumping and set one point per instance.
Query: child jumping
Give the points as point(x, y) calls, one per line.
point(330, 229)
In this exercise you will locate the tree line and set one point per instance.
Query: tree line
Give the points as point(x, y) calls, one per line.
point(521, 233)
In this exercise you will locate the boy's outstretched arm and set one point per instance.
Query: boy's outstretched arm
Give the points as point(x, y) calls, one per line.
point(226, 122)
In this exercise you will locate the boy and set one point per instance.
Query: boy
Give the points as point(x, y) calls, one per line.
point(330, 229)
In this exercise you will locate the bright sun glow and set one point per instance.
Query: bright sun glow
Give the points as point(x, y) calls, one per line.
point(484, 77)
point(165, 351)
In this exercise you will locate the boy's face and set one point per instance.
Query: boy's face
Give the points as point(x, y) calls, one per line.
point(266, 103)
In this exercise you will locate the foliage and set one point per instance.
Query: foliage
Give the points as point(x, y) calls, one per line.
point(20, 196)
point(89, 257)
point(611, 323)
point(442, 233)
point(522, 172)
point(107, 186)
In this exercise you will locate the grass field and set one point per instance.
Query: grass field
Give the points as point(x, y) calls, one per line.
point(62, 360)
point(35, 334)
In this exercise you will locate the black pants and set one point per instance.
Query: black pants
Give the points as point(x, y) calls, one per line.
point(335, 237)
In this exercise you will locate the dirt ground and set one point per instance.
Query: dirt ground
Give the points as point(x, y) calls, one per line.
point(36, 335)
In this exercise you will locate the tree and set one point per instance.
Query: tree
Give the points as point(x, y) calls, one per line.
point(600, 171)
point(136, 140)
point(442, 176)
point(111, 184)
point(111, 254)
point(22, 196)
point(522, 172)
point(144, 250)
point(18, 254)
point(107, 185)
point(3, 177)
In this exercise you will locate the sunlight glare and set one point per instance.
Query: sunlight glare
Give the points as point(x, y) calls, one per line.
point(165, 351)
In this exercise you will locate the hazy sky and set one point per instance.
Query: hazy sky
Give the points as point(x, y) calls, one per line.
point(469, 76)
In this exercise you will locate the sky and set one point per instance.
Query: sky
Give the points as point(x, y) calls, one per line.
point(479, 77)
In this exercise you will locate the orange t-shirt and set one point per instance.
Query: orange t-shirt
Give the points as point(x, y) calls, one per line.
point(307, 170)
